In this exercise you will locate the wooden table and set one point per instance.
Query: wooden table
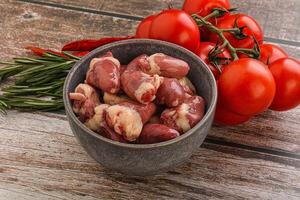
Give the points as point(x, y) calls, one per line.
point(40, 158)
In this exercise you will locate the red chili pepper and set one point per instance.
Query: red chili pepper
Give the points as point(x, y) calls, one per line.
point(80, 53)
point(41, 52)
point(89, 45)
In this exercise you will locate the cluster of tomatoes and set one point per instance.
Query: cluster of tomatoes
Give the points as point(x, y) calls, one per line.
point(247, 84)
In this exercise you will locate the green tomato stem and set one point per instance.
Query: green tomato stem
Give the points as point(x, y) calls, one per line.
point(215, 13)
point(231, 30)
point(250, 52)
point(214, 29)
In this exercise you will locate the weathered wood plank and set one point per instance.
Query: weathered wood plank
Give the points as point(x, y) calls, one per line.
point(52, 27)
point(280, 19)
point(271, 130)
point(292, 51)
point(25, 24)
point(40, 158)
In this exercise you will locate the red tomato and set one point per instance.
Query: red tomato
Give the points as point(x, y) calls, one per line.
point(247, 87)
point(286, 72)
point(203, 53)
point(204, 7)
point(252, 28)
point(269, 53)
point(226, 117)
point(176, 26)
point(143, 28)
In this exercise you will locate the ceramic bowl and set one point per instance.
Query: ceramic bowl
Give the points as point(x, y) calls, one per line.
point(148, 159)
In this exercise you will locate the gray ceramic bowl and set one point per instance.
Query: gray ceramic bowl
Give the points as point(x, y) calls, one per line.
point(134, 159)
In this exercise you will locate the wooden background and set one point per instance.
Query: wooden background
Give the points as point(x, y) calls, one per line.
point(40, 158)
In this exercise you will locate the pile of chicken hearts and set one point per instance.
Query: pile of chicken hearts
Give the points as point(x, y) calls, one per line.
point(150, 100)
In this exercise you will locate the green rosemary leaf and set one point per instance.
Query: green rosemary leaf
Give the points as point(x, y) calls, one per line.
point(52, 94)
point(25, 61)
point(41, 103)
point(40, 68)
point(6, 63)
point(18, 86)
point(71, 55)
point(2, 103)
point(39, 79)
point(52, 55)
point(10, 68)
point(24, 90)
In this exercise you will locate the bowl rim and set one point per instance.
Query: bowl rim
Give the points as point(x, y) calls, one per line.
point(92, 54)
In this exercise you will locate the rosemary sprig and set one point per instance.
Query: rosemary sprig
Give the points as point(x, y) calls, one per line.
point(30, 104)
point(37, 82)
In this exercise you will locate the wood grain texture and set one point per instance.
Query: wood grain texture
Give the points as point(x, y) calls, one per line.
point(279, 19)
point(24, 24)
point(40, 158)
point(52, 27)
point(271, 130)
